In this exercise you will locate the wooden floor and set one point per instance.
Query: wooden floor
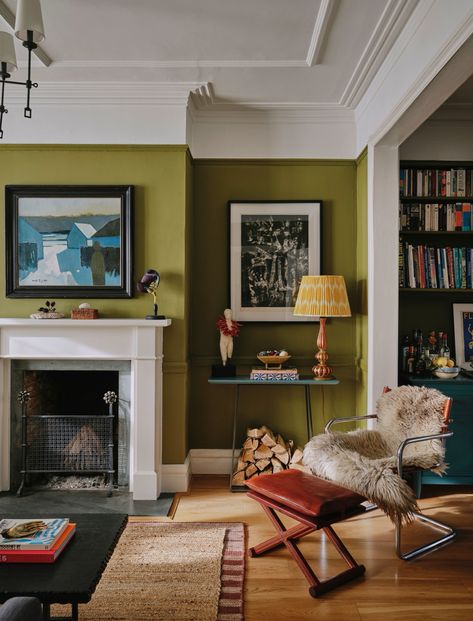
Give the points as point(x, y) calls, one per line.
point(437, 586)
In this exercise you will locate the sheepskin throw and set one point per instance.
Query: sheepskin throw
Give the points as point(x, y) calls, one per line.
point(365, 461)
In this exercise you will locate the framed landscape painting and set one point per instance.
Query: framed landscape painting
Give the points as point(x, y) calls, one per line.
point(69, 241)
point(272, 245)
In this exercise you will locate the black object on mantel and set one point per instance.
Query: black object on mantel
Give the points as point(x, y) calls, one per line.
point(149, 283)
point(219, 370)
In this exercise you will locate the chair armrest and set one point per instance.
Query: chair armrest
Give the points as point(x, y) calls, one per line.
point(335, 421)
point(402, 446)
point(21, 609)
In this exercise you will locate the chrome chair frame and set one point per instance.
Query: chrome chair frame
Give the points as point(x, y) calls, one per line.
point(449, 532)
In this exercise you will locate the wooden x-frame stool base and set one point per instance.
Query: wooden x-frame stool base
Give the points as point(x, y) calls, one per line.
point(306, 524)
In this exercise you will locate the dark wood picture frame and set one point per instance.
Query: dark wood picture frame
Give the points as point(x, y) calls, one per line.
point(290, 247)
point(69, 241)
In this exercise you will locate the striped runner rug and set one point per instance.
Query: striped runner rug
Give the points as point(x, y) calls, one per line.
point(230, 606)
point(171, 571)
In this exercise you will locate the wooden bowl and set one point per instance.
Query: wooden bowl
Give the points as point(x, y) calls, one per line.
point(274, 362)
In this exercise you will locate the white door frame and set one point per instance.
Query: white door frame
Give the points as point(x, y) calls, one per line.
point(383, 228)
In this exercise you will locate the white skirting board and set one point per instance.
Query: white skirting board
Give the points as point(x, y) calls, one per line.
point(176, 477)
point(212, 461)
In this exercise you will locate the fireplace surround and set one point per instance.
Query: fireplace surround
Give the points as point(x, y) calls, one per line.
point(137, 341)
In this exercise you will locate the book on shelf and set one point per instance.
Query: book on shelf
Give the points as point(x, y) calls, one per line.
point(425, 267)
point(428, 217)
point(40, 556)
point(274, 375)
point(41, 540)
point(455, 181)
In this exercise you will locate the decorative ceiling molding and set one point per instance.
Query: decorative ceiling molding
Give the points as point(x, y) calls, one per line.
point(203, 108)
point(113, 93)
point(9, 17)
point(460, 38)
point(175, 64)
point(393, 19)
point(320, 32)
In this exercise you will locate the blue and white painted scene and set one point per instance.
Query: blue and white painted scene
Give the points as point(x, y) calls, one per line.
point(69, 241)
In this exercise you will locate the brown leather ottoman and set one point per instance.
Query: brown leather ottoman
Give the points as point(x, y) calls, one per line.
point(316, 504)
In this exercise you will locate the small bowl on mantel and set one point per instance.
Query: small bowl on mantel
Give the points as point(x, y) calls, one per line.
point(446, 372)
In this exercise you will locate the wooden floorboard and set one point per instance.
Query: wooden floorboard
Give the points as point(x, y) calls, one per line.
point(437, 586)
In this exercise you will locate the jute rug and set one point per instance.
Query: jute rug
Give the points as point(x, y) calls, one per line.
point(171, 572)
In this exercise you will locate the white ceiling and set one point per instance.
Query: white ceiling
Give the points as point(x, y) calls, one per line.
point(262, 53)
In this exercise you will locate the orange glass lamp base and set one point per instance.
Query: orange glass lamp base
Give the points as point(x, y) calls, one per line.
point(321, 370)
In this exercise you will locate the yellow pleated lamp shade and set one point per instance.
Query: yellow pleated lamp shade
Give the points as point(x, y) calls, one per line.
point(322, 296)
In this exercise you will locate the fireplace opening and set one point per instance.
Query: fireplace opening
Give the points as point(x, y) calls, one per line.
point(68, 392)
point(74, 439)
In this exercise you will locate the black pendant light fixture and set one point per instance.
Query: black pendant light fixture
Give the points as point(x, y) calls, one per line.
point(29, 29)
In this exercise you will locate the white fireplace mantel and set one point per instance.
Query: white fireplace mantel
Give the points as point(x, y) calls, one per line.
point(139, 341)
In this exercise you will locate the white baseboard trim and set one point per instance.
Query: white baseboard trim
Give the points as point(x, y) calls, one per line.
point(211, 461)
point(176, 477)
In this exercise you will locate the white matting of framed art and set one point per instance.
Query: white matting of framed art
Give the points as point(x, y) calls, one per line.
point(272, 245)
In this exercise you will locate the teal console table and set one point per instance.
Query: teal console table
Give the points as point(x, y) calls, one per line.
point(244, 380)
point(459, 448)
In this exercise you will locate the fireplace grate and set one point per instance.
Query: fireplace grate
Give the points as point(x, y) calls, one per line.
point(68, 444)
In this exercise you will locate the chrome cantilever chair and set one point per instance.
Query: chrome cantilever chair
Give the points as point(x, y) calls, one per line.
point(402, 470)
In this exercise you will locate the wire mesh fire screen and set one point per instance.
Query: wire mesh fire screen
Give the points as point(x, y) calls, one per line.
point(67, 444)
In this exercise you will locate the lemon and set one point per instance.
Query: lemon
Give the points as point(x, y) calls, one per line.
point(450, 363)
point(441, 361)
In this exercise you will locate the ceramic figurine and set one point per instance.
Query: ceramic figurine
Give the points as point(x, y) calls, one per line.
point(228, 329)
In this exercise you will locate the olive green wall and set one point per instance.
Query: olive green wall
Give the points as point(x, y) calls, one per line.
point(362, 282)
point(282, 408)
point(161, 176)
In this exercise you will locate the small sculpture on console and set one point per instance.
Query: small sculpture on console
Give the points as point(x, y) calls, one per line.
point(228, 329)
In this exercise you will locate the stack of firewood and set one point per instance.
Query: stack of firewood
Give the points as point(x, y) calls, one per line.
point(265, 452)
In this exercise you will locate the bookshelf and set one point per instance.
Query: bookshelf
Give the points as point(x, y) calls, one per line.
point(435, 243)
point(436, 214)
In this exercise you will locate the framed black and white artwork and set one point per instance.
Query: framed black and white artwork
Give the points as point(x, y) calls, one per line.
point(272, 245)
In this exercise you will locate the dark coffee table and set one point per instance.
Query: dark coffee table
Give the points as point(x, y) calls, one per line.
point(72, 579)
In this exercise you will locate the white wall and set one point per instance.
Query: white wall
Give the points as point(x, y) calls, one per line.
point(440, 140)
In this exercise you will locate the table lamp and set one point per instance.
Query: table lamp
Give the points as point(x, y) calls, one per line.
point(322, 296)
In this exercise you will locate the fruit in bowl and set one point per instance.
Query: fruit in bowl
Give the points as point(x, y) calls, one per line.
point(273, 358)
point(442, 362)
point(446, 372)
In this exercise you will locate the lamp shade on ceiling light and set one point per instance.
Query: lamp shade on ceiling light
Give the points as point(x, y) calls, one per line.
point(322, 296)
point(29, 17)
point(7, 51)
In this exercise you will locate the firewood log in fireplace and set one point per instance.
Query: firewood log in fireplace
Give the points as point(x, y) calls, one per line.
point(265, 452)
point(84, 450)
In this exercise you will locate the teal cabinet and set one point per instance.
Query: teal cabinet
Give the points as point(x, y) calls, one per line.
point(459, 454)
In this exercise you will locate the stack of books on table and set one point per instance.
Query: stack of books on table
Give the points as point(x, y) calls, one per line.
point(43, 546)
point(261, 374)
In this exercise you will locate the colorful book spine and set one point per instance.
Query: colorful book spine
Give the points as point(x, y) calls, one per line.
point(466, 216)
point(39, 556)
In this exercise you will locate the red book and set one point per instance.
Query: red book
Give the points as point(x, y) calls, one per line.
point(39, 556)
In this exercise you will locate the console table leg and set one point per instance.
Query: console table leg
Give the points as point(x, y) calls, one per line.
point(46, 612)
point(235, 412)
point(308, 411)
